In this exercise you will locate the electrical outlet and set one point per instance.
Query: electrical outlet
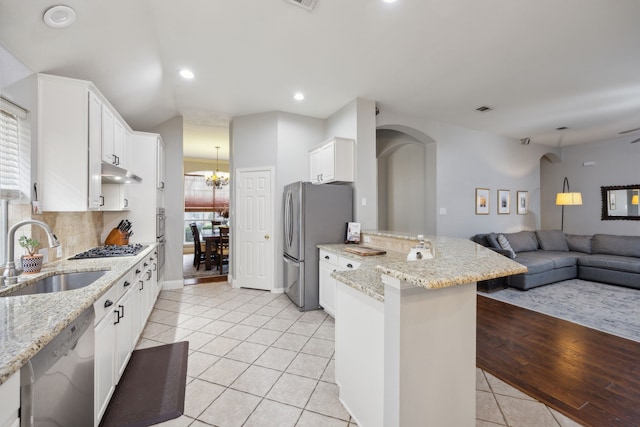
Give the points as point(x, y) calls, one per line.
point(44, 252)
point(59, 251)
point(367, 239)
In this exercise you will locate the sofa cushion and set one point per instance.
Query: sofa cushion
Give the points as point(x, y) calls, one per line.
point(562, 258)
point(535, 262)
point(611, 262)
point(522, 241)
point(615, 245)
point(579, 243)
point(504, 244)
point(552, 240)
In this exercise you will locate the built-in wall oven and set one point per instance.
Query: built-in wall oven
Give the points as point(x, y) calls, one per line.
point(160, 239)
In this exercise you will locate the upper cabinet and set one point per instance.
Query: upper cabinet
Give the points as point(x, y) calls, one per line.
point(333, 161)
point(77, 130)
point(160, 168)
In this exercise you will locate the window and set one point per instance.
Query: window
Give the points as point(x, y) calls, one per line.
point(203, 204)
point(14, 151)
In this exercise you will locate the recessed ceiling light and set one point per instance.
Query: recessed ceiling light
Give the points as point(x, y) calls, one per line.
point(59, 16)
point(187, 74)
point(299, 96)
point(389, 1)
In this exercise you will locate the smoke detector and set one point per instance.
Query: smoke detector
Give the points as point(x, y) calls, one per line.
point(305, 4)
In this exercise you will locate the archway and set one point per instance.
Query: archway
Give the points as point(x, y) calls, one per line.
point(406, 180)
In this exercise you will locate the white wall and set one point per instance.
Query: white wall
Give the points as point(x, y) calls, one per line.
point(356, 120)
point(280, 140)
point(467, 159)
point(171, 132)
point(616, 163)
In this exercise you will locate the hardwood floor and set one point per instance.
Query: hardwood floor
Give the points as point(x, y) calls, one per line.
point(590, 376)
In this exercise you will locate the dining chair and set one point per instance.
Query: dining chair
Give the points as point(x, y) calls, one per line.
point(222, 250)
point(198, 254)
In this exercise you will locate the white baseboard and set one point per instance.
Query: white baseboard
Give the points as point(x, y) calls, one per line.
point(172, 284)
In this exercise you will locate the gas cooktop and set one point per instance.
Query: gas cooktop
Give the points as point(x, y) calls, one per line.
point(111, 251)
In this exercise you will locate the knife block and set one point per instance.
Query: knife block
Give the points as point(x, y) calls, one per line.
point(117, 237)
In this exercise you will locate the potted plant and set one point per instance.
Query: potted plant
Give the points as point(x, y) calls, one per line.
point(31, 263)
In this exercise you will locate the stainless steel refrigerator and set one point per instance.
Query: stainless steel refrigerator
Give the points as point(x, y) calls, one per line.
point(313, 214)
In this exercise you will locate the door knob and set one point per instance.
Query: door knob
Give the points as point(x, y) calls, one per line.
point(266, 236)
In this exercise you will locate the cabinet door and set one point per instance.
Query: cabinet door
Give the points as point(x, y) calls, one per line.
point(160, 178)
point(327, 287)
point(104, 365)
point(124, 330)
point(119, 143)
point(315, 166)
point(95, 149)
point(327, 162)
point(108, 136)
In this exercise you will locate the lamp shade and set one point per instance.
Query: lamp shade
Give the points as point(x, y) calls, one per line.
point(634, 199)
point(567, 199)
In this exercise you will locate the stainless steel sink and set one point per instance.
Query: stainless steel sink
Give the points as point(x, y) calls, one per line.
point(60, 282)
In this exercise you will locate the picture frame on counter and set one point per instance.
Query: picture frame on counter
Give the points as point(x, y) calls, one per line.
point(522, 201)
point(482, 201)
point(353, 232)
point(504, 202)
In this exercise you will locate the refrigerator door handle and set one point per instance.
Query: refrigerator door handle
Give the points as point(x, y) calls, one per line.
point(290, 218)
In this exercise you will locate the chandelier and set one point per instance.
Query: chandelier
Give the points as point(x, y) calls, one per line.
point(218, 179)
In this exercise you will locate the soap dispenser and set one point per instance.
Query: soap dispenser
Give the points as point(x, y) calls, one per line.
point(423, 250)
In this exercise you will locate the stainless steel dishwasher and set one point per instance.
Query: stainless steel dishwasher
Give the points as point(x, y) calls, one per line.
point(56, 385)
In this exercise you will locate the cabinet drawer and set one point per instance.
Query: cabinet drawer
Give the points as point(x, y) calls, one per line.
point(105, 303)
point(348, 264)
point(328, 257)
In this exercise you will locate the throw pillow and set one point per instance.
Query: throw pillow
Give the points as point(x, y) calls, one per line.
point(552, 240)
point(504, 244)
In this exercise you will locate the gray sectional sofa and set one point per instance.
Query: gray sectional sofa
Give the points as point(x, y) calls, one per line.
point(552, 256)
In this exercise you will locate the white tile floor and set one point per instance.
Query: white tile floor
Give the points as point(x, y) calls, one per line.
point(255, 360)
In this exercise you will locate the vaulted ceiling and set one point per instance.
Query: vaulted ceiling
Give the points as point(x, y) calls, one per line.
point(539, 64)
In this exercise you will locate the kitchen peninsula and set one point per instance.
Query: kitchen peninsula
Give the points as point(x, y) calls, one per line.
point(405, 330)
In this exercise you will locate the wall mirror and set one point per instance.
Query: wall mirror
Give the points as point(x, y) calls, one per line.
point(620, 202)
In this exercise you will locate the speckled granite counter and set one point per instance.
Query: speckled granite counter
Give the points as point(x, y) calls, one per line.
point(456, 261)
point(28, 323)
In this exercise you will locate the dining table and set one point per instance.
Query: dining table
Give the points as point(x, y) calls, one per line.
point(211, 243)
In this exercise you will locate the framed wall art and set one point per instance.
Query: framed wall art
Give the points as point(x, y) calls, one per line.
point(504, 202)
point(482, 201)
point(522, 199)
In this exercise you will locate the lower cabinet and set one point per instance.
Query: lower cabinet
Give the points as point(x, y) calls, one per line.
point(10, 401)
point(330, 262)
point(121, 314)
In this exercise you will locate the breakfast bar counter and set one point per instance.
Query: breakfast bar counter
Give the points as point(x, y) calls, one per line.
point(405, 330)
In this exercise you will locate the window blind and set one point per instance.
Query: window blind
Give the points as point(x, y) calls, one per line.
point(10, 116)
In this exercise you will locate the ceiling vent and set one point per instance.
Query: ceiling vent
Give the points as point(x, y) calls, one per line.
point(484, 108)
point(305, 4)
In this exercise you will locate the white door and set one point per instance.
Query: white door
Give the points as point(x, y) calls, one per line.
point(254, 253)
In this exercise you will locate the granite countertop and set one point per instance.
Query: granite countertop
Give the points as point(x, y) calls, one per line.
point(456, 261)
point(28, 323)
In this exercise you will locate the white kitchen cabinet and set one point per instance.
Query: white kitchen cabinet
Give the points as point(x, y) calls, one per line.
point(10, 398)
point(70, 136)
point(104, 362)
point(114, 139)
point(116, 197)
point(333, 161)
point(125, 309)
point(330, 262)
point(160, 163)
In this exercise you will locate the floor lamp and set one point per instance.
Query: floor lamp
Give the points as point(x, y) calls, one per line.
point(567, 198)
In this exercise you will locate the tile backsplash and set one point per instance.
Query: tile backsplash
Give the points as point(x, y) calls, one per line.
point(76, 231)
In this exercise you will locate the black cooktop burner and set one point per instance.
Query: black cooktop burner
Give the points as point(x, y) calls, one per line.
point(111, 251)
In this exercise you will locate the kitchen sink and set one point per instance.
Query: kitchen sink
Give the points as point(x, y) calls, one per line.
point(60, 282)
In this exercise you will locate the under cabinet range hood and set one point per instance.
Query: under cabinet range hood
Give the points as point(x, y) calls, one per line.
point(112, 174)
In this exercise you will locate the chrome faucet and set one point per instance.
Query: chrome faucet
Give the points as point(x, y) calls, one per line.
point(10, 273)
